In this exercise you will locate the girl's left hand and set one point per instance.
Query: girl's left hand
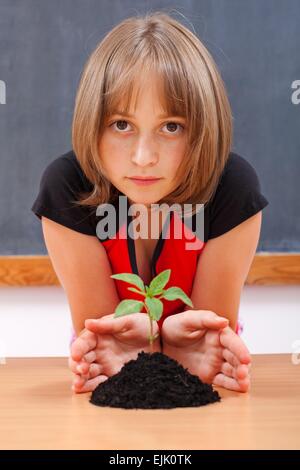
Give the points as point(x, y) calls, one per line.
point(203, 343)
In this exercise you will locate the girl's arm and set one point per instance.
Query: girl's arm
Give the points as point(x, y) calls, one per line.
point(199, 340)
point(83, 269)
point(223, 267)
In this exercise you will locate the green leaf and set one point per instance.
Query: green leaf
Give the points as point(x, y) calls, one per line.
point(133, 289)
point(128, 306)
point(158, 283)
point(131, 279)
point(174, 293)
point(155, 307)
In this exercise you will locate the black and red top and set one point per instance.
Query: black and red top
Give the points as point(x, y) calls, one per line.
point(238, 197)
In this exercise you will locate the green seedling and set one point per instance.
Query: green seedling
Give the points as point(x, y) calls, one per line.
point(152, 295)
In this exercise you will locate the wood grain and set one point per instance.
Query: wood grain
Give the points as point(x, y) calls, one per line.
point(275, 268)
point(27, 271)
point(39, 411)
point(33, 270)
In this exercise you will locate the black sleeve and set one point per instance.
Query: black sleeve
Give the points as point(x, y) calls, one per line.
point(237, 197)
point(60, 184)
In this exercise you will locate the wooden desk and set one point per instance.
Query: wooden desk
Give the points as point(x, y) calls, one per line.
point(38, 410)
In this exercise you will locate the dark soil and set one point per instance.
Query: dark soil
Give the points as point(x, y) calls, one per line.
point(153, 381)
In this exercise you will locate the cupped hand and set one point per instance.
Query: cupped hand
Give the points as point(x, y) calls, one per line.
point(105, 345)
point(203, 343)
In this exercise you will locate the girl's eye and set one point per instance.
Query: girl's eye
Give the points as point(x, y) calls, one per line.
point(171, 126)
point(122, 125)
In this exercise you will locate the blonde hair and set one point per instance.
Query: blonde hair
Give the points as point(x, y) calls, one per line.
point(191, 87)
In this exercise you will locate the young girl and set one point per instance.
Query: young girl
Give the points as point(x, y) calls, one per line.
point(151, 104)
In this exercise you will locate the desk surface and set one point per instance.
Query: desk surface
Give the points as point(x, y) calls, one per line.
point(38, 410)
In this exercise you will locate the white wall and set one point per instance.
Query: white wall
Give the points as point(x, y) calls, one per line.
point(35, 321)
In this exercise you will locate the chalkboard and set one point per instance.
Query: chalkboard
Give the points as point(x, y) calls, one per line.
point(44, 46)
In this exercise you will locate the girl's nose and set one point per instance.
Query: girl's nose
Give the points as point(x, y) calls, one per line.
point(145, 154)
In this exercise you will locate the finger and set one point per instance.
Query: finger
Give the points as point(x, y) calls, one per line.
point(80, 369)
point(82, 376)
point(78, 381)
point(95, 370)
point(87, 371)
point(240, 372)
point(231, 383)
point(231, 341)
point(90, 385)
point(90, 356)
point(235, 363)
point(203, 319)
point(230, 357)
point(109, 325)
point(72, 365)
point(83, 369)
point(227, 369)
point(82, 345)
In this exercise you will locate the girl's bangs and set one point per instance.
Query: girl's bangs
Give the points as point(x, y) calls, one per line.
point(122, 91)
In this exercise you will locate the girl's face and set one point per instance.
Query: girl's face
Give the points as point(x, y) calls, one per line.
point(143, 144)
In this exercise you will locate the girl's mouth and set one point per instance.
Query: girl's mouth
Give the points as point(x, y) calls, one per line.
point(144, 181)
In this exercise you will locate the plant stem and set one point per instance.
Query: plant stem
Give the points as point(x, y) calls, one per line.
point(151, 329)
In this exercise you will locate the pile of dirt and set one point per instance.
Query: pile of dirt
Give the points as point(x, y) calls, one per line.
point(153, 381)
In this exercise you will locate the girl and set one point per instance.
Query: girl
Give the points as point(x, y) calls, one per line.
point(151, 104)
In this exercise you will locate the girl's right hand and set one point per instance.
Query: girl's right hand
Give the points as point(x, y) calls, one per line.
point(105, 345)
